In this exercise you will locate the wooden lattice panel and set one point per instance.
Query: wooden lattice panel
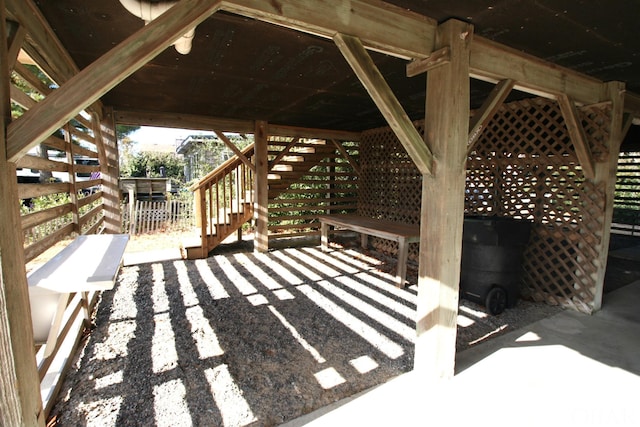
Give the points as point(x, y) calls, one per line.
point(523, 165)
point(391, 187)
point(535, 175)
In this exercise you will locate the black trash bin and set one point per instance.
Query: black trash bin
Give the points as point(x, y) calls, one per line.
point(492, 249)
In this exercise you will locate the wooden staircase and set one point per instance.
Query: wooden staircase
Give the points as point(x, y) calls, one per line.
point(294, 161)
point(224, 197)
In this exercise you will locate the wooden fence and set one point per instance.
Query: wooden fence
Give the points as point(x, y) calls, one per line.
point(144, 216)
point(626, 212)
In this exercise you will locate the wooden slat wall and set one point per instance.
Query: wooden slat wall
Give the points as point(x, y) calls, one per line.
point(329, 187)
point(626, 213)
point(76, 204)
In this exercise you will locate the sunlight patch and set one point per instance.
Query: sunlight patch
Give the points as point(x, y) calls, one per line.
point(263, 277)
point(529, 337)
point(475, 313)
point(235, 277)
point(294, 332)
point(464, 321)
point(379, 297)
point(233, 407)
point(329, 378)
point(106, 381)
point(160, 300)
point(378, 340)
point(116, 344)
point(202, 333)
point(163, 345)
point(283, 294)
point(364, 364)
point(189, 296)
point(124, 305)
point(101, 412)
point(297, 266)
point(216, 289)
point(281, 271)
point(170, 405)
point(326, 270)
point(258, 299)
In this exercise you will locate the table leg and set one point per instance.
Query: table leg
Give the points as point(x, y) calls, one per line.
point(324, 236)
point(403, 254)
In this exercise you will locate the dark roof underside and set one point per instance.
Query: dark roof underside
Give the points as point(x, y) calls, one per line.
point(244, 69)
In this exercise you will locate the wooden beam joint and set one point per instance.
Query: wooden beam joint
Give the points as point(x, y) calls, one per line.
point(577, 134)
point(436, 59)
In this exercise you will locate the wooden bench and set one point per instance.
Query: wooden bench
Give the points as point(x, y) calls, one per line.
point(89, 263)
point(395, 231)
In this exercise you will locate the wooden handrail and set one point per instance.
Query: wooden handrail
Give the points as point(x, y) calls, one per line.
point(224, 168)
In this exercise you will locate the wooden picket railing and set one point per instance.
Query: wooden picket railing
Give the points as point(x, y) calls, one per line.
point(223, 202)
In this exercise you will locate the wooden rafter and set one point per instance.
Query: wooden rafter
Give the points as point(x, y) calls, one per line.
point(577, 135)
point(106, 72)
point(236, 150)
point(380, 26)
point(493, 102)
point(349, 159)
point(373, 81)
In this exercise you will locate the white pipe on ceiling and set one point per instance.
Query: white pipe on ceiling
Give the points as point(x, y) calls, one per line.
point(148, 11)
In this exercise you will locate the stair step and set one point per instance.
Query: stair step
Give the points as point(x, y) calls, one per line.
point(282, 168)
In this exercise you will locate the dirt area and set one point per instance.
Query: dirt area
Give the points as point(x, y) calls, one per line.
point(244, 339)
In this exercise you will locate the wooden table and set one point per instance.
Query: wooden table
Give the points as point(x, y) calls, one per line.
point(391, 230)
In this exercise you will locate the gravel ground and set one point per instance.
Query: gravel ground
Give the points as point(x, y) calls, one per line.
point(242, 339)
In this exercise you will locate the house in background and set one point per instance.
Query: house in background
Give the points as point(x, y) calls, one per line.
point(204, 153)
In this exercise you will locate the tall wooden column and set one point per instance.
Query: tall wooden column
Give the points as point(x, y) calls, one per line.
point(109, 169)
point(261, 203)
point(20, 402)
point(605, 172)
point(446, 133)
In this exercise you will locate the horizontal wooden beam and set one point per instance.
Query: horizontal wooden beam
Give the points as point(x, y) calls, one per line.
point(491, 61)
point(105, 73)
point(380, 26)
point(382, 95)
point(182, 121)
point(578, 136)
point(205, 123)
point(632, 104)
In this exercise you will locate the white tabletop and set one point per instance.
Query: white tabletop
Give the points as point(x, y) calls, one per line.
point(89, 263)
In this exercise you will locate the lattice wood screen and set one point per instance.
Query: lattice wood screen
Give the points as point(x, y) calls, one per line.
point(523, 166)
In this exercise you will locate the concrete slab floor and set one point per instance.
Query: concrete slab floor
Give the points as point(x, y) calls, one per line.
point(570, 369)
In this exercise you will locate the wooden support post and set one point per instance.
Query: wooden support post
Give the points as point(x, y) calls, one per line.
point(20, 400)
point(261, 241)
point(605, 172)
point(107, 143)
point(446, 131)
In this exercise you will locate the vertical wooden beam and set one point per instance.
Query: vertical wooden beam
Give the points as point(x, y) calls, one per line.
point(442, 215)
point(107, 144)
point(261, 241)
point(605, 172)
point(20, 400)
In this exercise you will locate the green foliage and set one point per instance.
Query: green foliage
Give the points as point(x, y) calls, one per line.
point(123, 131)
point(147, 164)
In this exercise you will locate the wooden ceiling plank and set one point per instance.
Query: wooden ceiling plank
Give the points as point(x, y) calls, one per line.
point(375, 84)
point(236, 150)
point(491, 61)
point(103, 74)
point(380, 26)
point(489, 108)
point(577, 135)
